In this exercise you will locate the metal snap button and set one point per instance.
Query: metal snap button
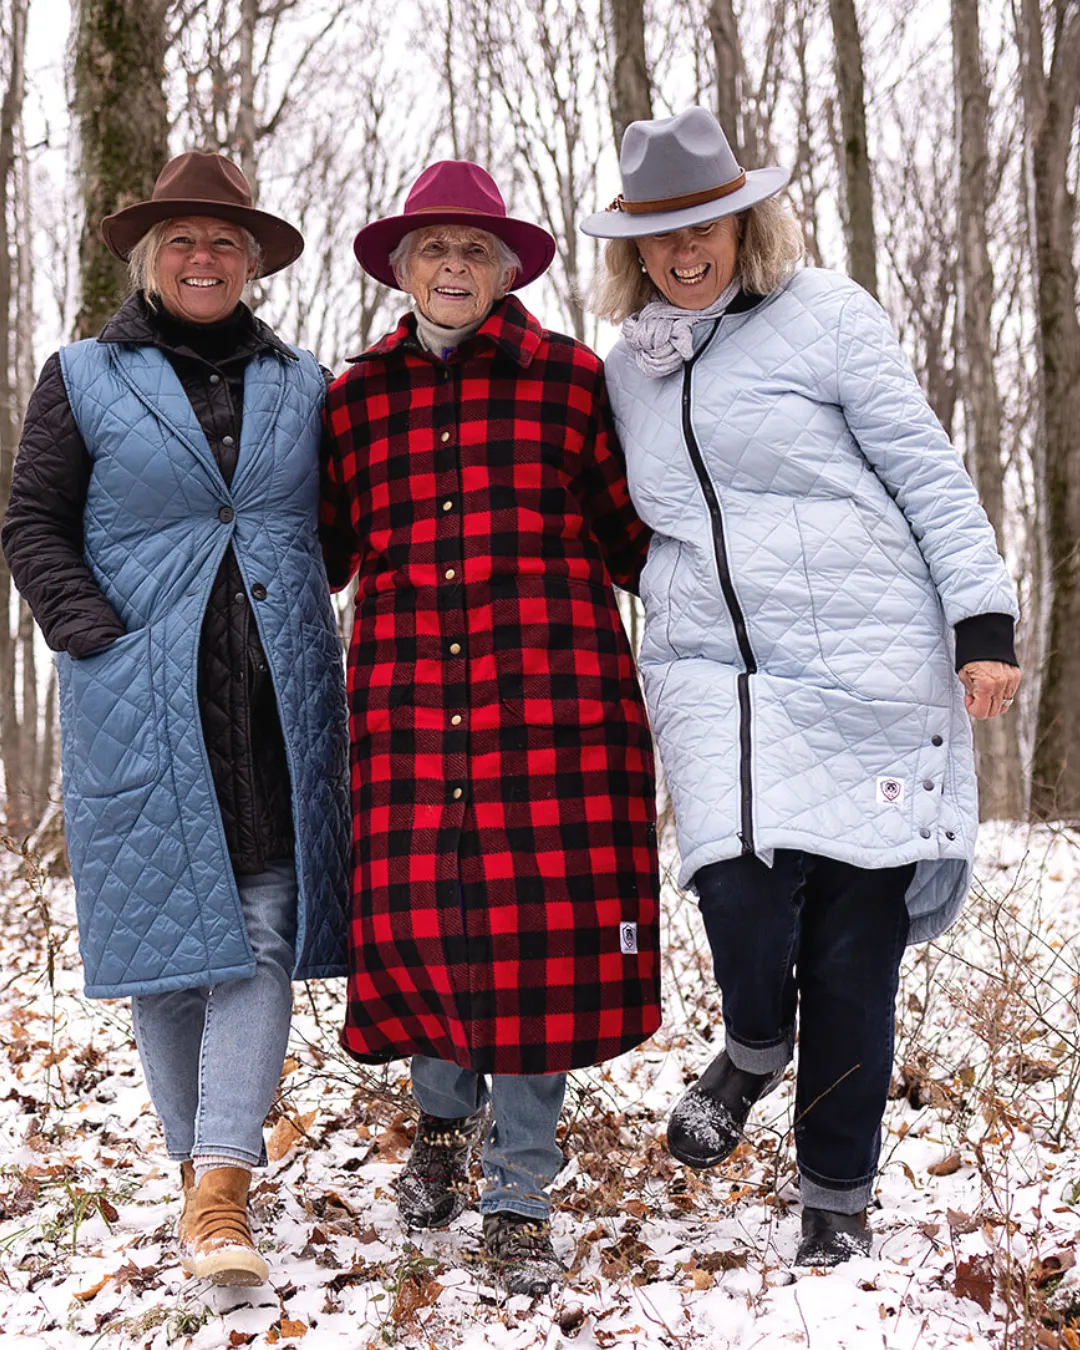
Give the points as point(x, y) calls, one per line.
point(227, 440)
point(258, 591)
point(936, 740)
point(226, 515)
point(450, 574)
point(457, 793)
point(925, 833)
point(928, 785)
point(455, 649)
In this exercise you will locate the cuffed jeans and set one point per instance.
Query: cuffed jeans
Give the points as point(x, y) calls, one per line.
point(520, 1154)
point(828, 938)
point(213, 1056)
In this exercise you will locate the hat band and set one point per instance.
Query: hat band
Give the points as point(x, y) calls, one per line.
point(458, 210)
point(679, 203)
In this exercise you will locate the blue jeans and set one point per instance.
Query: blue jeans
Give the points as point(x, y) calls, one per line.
point(212, 1056)
point(826, 938)
point(520, 1153)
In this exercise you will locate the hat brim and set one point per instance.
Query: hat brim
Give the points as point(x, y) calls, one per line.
point(759, 186)
point(280, 242)
point(375, 242)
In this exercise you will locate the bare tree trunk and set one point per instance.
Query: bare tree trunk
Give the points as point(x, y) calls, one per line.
point(858, 190)
point(123, 129)
point(245, 110)
point(631, 93)
point(1050, 106)
point(727, 52)
point(10, 118)
point(1001, 781)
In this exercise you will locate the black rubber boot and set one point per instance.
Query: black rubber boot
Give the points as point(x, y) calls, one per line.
point(434, 1188)
point(708, 1121)
point(828, 1238)
point(521, 1254)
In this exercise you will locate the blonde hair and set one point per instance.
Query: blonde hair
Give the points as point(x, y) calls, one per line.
point(143, 258)
point(770, 249)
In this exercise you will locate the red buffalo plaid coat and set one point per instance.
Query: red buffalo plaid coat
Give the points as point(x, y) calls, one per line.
point(505, 889)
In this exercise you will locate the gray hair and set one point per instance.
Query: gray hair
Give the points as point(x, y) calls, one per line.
point(143, 258)
point(770, 249)
point(508, 259)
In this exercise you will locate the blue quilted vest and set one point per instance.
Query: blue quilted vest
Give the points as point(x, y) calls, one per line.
point(157, 902)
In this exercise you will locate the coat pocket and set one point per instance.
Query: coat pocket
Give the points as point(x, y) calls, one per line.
point(324, 696)
point(112, 709)
point(561, 653)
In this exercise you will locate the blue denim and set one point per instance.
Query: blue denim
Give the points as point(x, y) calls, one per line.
point(212, 1056)
point(520, 1154)
point(824, 938)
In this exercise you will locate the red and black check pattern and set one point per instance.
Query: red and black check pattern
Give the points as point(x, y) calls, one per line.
point(502, 770)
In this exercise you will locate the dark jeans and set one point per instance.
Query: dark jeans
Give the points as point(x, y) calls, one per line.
point(826, 938)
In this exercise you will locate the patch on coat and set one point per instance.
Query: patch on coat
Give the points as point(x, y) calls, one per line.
point(890, 790)
point(628, 938)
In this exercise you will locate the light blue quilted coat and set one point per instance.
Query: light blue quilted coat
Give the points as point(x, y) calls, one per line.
point(156, 897)
point(798, 654)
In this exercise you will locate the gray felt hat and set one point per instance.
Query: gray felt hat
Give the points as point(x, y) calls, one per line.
point(676, 172)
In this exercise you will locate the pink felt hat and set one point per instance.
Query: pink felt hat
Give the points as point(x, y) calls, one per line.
point(454, 191)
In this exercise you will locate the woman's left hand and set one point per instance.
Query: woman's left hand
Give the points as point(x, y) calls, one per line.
point(991, 687)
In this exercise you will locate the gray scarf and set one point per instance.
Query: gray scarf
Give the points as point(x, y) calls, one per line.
point(661, 335)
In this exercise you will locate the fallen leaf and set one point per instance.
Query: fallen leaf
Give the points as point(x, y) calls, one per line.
point(290, 1066)
point(703, 1279)
point(292, 1327)
point(287, 1133)
point(367, 1237)
point(947, 1166)
point(960, 1223)
point(241, 1337)
point(975, 1280)
point(1051, 1267)
point(85, 1295)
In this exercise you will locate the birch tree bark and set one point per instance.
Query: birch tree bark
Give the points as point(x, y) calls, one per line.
point(855, 167)
point(1051, 93)
point(123, 129)
point(631, 92)
point(1001, 782)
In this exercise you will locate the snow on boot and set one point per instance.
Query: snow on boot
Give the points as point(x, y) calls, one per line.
point(224, 1251)
point(829, 1238)
point(434, 1188)
point(185, 1232)
point(521, 1254)
point(708, 1121)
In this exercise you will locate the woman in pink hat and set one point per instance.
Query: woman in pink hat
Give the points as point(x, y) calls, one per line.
point(504, 908)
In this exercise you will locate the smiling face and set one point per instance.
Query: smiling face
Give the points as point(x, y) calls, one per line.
point(692, 267)
point(454, 274)
point(202, 268)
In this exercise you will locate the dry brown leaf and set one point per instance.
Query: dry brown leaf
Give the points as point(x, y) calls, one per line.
point(946, 1166)
point(703, 1279)
point(85, 1295)
point(960, 1223)
point(393, 1144)
point(241, 1337)
point(290, 1326)
point(290, 1066)
point(975, 1280)
point(287, 1133)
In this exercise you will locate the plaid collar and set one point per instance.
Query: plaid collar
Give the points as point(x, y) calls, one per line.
point(509, 326)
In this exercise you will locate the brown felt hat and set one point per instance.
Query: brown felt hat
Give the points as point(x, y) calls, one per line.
point(198, 184)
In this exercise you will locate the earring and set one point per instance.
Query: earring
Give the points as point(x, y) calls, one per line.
point(641, 264)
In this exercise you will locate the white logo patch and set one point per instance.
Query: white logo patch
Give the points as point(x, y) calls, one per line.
point(628, 938)
point(890, 791)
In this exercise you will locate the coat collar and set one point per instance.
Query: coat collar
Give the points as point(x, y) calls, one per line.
point(135, 324)
point(509, 326)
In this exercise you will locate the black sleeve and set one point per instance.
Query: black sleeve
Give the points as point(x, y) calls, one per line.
point(43, 531)
point(985, 637)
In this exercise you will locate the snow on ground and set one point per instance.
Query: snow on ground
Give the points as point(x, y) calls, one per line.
point(979, 1189)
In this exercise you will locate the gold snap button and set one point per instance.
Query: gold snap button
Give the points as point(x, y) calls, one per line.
point(455, 721)
point(450, 574)
point(445, 437)
point(455, 648)
point(457, 793)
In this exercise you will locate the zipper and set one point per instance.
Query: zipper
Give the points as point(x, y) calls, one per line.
point(727, 587)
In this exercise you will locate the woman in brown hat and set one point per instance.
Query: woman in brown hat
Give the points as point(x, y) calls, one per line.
point(162, 527)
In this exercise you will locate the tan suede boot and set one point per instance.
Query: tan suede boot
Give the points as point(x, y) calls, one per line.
point(185, 1235)
point(224, 1252)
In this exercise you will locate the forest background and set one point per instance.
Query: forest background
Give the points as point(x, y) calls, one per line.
point(934, 151)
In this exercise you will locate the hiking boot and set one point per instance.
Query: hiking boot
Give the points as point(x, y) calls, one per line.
point(434, 1187)
point(708, 1121)
point(223, 1251)
point(185, 1234)
point(521, 1254)
point(828, 1238)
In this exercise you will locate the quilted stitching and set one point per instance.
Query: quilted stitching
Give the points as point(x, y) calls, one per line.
point(856, 541)
point(157, 900)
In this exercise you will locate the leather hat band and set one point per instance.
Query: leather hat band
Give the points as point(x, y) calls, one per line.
point(679, 203)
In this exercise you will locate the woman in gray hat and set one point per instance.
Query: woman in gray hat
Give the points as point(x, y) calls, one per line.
point(820, 575)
